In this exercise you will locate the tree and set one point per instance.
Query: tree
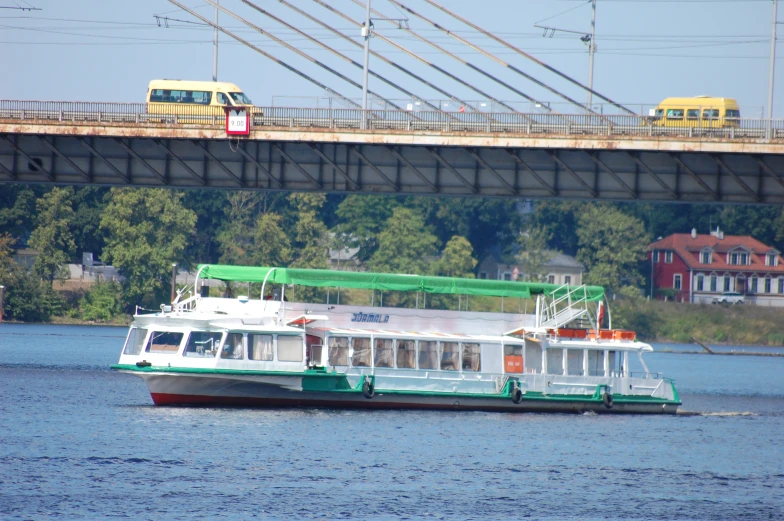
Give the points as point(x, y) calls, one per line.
point(52, 236)
point(235, 236)
point(456, 260)
point(271, 246)
point(612, 246)
point(533, 254)
point(361, 218)
point(147, 230)
point(311, 233)
point(404, 245)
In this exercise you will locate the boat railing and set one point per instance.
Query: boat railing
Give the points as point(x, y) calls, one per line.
point(646, 374)
point(187, 305)
point(559, 311)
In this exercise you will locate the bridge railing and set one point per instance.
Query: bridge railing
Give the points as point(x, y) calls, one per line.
point(550, 124)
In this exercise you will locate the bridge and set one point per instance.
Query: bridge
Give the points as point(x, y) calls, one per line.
point(510, 154)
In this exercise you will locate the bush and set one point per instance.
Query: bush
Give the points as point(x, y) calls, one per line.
point(28, 299)
point(101, 303)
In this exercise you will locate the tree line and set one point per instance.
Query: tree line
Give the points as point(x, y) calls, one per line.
point(142, 231)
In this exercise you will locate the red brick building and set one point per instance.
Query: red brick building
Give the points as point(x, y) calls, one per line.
point(698, 268)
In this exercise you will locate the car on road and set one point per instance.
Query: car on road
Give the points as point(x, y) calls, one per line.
point(729, 297)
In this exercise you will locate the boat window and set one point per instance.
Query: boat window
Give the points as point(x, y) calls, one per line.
point(595, 362)
point(260, 347)
point(554, 361)
point(165, 342)
point(338, 350)
point(290, 348)
point(471, 357)
point(428, 354)
point(513, 359)
point(615, 360)
point(232, 347)
point(574, 362)
point(360, 356)
point(135, 341)
point(202, 344)
point(406, 350)
point(533, 358)
point(450, 356)
point(385, 352)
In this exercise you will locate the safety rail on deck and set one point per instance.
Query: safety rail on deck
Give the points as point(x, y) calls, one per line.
point(185, 116)
point(562, 310)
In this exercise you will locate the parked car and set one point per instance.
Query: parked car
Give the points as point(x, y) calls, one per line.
point(729, 297)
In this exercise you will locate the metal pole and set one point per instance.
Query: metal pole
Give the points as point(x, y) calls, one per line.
point(174, 281)
point(215, 47)
point(2, 295)
point(591, 48)
point(772, 64)
point(366, 34)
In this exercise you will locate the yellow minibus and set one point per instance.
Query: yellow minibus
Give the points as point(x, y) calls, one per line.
point(699, 111)
point(194, 98)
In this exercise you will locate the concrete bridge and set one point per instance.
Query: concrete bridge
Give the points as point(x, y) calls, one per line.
point(394, 152)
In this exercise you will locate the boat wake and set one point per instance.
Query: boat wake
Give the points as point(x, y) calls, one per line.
point(724, 414)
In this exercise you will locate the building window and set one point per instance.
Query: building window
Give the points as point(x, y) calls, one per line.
point(770, 259)
point(726, 283)
point(705, 257)
point(753, 284)
point(713, 283)
point(507, 276)
point(482, 274)
point(567, 279)
point(668, 257)
point(551, 279)
point(734, 259)
point(655, 256)
point(767, 285)
point(676, 281)
point(744, 259)
point(781, 285)
point(700, 283)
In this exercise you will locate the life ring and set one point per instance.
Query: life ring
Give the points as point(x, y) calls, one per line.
point(368, 390)
point(607, 398)
point(517, 395)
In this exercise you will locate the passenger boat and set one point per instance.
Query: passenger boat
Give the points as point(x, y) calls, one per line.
point(267, 352)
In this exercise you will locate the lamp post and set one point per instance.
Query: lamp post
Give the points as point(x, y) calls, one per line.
point(174, 281)
point(215, 46)
point(2, 295)
point(772, 66)
point(366, 34)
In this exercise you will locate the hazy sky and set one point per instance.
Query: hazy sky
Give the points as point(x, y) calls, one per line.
point(108, 50)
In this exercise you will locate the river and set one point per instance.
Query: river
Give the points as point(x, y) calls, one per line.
point(79, 441)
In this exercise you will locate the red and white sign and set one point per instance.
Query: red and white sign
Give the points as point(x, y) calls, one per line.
point(237, 121)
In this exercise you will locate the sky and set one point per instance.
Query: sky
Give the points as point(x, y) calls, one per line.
point(646, 50)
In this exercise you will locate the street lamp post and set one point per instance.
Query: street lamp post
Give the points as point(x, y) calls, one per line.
point(174, 281)
point(2, 295)
point(366, 34)
point(772, 66)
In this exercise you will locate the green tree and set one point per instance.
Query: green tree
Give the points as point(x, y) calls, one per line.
point(312, 241)
point(456, 260)
point(147, 230)
point(17, 209)
point(101, 303)
point(360, 220)
point(533, 253)
point(52, 236)
point(406, 244)
point(271, 246)
point(612, 246)
point(235, 237)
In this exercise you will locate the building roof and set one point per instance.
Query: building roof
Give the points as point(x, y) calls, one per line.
point(562, 260)
point(688, 248)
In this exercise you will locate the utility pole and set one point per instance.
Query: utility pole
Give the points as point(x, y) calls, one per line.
point(366, 34)
point(772, 64)
point(591, 49)
point(215, 46)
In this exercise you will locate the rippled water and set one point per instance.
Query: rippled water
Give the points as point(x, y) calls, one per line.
point(78, 441)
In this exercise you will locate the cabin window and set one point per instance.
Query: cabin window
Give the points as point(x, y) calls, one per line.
point(135, 341)
point(554, 361)
point(533, 358)
point(615, 361)
point(428, 354)
point(595, 362)
point(574, 362)
point(513, 359)
point(289, 348)
point(674, 113)
point(450, 356)
point(232, 347)
point(202, 344)
point(360, 354)
point(693, 114)
point(260, 347)
point(164, 342)
point(710, 114)
point(338, 350)
point(471, 358)
point(385, 352)
point(406, 354)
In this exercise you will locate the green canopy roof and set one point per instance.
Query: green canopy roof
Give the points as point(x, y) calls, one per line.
point(390, 282)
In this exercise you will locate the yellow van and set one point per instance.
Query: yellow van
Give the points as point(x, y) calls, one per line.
point(194, 99)
point(699, 111)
